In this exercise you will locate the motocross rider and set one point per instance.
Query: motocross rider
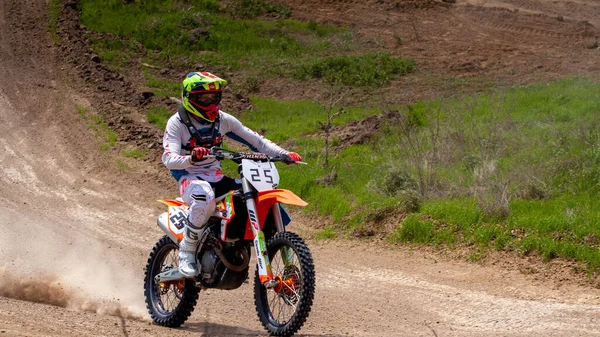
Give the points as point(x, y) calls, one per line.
point(186, 142)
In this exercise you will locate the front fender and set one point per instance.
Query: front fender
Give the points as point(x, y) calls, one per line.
point(266, 199)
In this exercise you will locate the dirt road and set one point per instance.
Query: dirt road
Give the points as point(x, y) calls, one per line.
point(75, 238)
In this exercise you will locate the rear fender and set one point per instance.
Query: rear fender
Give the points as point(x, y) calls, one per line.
point(172, 222)
point(172, 202)
point(264, 202)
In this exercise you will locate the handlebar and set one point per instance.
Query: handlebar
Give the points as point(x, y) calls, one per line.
point(219, 153)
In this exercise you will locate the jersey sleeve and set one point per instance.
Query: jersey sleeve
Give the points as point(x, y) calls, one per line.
point(172, 156)
point(235, 130)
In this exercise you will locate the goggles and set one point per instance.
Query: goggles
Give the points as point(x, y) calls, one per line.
point(204, 98)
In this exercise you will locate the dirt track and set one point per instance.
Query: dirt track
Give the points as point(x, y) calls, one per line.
point(76, 234)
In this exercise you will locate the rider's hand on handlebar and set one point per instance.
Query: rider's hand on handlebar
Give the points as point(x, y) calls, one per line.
point(198, 153)
point(291, 157)
point(294, 156)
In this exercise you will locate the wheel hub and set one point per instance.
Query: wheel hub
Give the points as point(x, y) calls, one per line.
point(286, 286)
point(164, 286)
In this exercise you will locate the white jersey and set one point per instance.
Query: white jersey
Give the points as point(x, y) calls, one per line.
point(177, 134)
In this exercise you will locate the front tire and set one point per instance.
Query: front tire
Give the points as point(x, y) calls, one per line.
point(170, 303)
point(283, 309)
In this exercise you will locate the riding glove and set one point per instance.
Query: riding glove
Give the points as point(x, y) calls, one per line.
point(198, 153)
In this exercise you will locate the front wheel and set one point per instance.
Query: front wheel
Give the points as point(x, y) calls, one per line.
point(169, 303)
point(283, 309)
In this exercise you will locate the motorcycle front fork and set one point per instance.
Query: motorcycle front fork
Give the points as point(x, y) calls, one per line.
point(262, 255)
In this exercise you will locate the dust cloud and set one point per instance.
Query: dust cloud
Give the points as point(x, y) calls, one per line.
point(75, 272)
point(50, 290)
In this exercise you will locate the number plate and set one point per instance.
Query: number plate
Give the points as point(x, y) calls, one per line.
point(177, 215)
point(263, 176)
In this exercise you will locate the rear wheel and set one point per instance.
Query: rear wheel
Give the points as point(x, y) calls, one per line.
point(283, 309)
point(169, 303)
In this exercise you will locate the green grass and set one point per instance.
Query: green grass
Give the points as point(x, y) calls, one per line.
point(162, 87)
point(179, 29)
point(159, 116)
point(368, 70)
point(121, 166)
point(326, 233)
point(414, 230)
point(184, 34)
point(291, 120)
point(54, 9)
point(516, 170)
point(135, 153)
point(250, 9)
point(97, 123)
point(120, 54)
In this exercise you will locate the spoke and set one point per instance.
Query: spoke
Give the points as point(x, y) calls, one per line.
point(279, 298)
point(175, 298)
point(282, 313)
point(277, 307)
point(291, 309)
point(282, 304)
point(169, 300)
point(277, 310)
point(292, 289)
point(169, 297)
point(166, 302)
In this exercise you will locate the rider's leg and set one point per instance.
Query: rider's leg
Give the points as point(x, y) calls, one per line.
point(225, 185)
point(199, 195)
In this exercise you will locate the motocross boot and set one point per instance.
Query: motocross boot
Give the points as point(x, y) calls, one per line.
point(188, 265)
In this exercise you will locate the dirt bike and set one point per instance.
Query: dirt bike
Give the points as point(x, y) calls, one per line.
point(284, 282)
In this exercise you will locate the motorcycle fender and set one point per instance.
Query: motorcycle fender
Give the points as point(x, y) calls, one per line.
point(171, 222)
point(268, 198)
point(171, 202)
point(163, 224)
point(264, 202)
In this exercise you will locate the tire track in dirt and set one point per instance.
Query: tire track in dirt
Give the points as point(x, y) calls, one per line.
point(506, 21)
point(572, 10)
point(456, 306)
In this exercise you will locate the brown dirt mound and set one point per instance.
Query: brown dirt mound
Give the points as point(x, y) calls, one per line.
point(359, 131)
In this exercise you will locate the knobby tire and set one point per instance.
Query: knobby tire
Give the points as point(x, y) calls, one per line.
point(189, 296)
point(306, 291)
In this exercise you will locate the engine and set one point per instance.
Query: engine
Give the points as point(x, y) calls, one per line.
point(224, 265)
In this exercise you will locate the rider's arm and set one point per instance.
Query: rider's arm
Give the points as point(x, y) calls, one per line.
point(235, 130)
point(172, 155)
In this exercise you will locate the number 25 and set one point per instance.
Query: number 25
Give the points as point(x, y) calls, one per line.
point(256, 175)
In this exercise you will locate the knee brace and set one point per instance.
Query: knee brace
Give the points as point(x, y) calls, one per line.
point(201, 198)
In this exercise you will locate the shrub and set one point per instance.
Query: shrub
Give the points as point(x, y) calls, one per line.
point(250, 9)
point(371, 69)
point(414, 230)
point(491, 193)
point(398, 181)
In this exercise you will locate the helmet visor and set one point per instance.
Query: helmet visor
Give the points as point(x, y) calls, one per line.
point(205, 98)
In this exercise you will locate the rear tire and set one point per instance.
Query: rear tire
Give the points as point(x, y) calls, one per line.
point(172, 303)
point(294, 298)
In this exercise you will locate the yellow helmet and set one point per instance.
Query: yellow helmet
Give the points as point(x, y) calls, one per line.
point(201, 94)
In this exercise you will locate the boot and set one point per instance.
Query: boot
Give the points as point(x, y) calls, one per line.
point(188, 266)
